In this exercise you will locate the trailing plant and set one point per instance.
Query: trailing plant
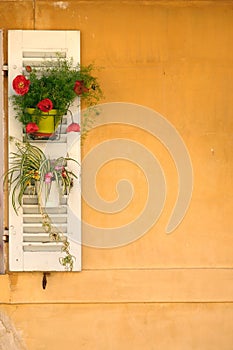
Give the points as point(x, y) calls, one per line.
point(32, 172)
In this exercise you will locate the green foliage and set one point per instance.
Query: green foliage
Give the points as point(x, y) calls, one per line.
point(55, 80)
point(29, 168)
point(24, 170)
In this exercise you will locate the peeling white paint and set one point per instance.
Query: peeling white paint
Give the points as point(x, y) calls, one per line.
point(61, 4)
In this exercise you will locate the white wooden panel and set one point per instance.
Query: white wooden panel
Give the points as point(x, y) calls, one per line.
point(30, 247)
point(2, 118)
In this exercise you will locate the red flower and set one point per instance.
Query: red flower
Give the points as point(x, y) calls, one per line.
point(28, 69)
point(73, 127)
point(31, 128)
point(80, 88)
point(21, 85)
point(45, 105)
point(63, 174)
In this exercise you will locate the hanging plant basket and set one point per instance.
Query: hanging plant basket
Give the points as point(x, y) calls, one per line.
point(51, 90)
point(31, 172)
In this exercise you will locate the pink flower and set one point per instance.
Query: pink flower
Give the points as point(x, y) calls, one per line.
point(58, 167)
point(31, 128)
point(45, 105)
point(48, 177)
point(21, 85)
point(73, 127)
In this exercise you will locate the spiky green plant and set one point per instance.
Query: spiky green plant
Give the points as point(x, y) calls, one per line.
point(23, 172)
point(27, 173)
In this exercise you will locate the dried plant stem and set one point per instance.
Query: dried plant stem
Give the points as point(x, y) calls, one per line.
point(58, 236)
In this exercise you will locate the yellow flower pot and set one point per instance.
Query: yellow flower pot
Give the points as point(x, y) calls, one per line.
point(47, 122)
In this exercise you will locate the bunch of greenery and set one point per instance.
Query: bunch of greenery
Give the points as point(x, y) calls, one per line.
point(58, 81)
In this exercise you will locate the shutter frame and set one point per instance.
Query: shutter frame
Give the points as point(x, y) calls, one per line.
point(2, 155)
point(32, 255)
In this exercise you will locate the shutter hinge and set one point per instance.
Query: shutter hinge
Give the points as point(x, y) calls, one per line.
point(5, 236)
point(5, 70)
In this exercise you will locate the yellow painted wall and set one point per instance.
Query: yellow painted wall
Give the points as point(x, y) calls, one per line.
point(162, 291)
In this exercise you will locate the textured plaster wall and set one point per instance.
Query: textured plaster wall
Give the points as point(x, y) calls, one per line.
point(10, 339)
point(162, 291)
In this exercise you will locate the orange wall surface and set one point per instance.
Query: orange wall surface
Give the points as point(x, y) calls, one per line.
point(160, 292)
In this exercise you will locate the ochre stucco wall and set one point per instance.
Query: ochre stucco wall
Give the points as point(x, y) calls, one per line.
point(162, 291)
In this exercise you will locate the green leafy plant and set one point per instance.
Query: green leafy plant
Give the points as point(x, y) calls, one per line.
point(54, 85)
point(30, 172)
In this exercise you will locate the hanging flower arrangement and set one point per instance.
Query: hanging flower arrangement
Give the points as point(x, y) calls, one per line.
point(53, 88)
point(32, 172)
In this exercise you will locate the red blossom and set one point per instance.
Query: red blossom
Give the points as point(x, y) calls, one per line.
point(73, 127)
point(31, 128)
point(45, 105)
point(64, 174)
point(80, 88)
point(28, 69)
point(21, 85)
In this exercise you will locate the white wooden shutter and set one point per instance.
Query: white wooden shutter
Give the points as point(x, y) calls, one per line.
point(1, 157)
point(29, 246)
